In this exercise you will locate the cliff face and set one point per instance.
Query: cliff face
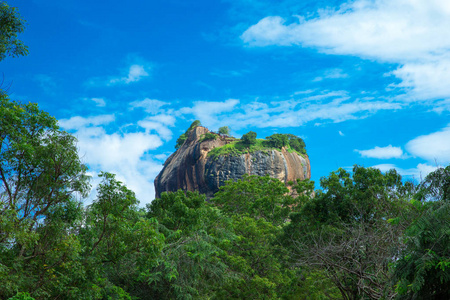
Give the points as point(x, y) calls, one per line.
point(190, 167)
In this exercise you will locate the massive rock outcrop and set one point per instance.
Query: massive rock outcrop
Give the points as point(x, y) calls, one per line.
point(191, 168)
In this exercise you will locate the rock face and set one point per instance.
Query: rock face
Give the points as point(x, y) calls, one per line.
point(190, 168)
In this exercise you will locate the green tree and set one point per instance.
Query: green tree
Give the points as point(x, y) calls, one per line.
point(11, 24)
point(196, 235)
point(258, 207)
point(277, 140)
point(249, 138)
point(119, 242)
point(224, 130)
point(297, 143)
point(423, 268)
point(257, 197)
point(41, 180)
point(348, 230)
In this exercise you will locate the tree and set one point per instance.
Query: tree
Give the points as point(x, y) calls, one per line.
point(259, 197)
point(11, 24)
point(423, 268)
point(118, 242)
point(348, 230)
point(296, 143)
point(41, 180)
point(225, 130)
point(277, 140)
point(249, 138)
point(196, 235)
point(258, 207)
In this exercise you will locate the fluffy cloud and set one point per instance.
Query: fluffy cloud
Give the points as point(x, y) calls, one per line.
point(80, 122)
point(434, 147)
point(383, 152)
point(210, 112)
point(135, 73)
point(411, 33)
point(125, 154)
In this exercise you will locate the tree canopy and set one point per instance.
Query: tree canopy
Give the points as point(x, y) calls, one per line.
point(11, 24)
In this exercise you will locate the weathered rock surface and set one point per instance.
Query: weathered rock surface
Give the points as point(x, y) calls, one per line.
point(190, 167)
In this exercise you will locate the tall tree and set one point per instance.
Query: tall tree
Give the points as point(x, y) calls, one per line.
point(345, 230)
point(41, 181)
point(11, 24)
point(196, 237)
point(422, 270)
point(258, 208)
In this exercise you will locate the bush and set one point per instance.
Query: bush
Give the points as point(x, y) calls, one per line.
point(249, 138)
point(208, 136)
point(224, 130)
point(277, 140)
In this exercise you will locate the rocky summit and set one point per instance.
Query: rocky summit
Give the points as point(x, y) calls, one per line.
point(196, 167)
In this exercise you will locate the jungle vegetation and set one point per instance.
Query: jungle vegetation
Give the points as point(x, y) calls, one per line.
point(363, 235)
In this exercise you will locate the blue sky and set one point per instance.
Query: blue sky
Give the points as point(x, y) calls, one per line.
point(362, 82)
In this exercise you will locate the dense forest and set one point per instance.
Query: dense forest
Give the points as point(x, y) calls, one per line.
point(363, 235)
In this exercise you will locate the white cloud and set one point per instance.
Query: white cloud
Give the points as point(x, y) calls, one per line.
point(341, 134)
point(79, 122)
point(149, 105)
point(162, 130)
point(418, 173)
point(332, 74)
point(413, 34)
point(99, 101)
point(135, 73)
point(330, 106)
point(434, 147)
point(441, 106)
point(209, 112)
point(125, 154)
point(383, 152)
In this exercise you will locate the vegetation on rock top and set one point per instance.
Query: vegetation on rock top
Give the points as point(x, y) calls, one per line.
point(250, 144)
point(184, 136)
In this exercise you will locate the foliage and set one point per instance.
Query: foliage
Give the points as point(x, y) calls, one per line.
point(297, 143)
point(423, 269)
point(41, 175)
point(184, 136)
point(279, 141)
point(118, 241)
point(208, 136)
point(22, 296)
point(258, 206)
point(249, 138)
point(239, 147)
point(366, 235)
point(196, 234)
point(344, 231)
point(11, 24)
point(256, 197)
point(225, 130)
